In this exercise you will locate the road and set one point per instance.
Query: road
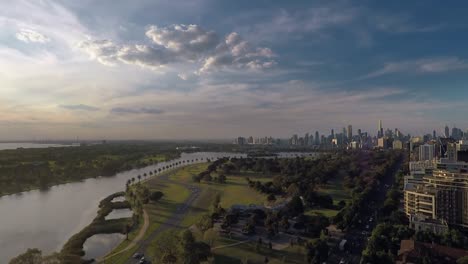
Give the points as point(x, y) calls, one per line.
point(355, 236)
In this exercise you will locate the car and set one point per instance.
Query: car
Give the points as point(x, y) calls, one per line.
point(367, 226)
point(142, 260)
point(138, 255)
point(342, 261)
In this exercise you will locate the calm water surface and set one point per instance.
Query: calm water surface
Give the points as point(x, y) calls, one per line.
point(119, 213)
point(98, 245)
point(29, 145)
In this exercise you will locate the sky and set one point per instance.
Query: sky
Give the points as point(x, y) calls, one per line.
point(211, 69)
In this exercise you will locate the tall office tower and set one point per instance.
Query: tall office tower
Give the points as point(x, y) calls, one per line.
point(397, 133)
point(426, 152)
point(317, 138)
point(333, 133)
point(311, 139)
point(359, 132)
point(434, 135)
point(380, 133)
point(344, 135)
point(350, 133)
point(295, 140)
point(306, 139)
point(447, 132)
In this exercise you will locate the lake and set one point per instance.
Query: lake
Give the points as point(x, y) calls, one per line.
point(14, 145)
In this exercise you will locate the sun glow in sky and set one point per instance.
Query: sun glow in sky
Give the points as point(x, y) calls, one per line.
point(146, 69)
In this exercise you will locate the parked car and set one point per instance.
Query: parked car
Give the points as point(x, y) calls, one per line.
point(138, 255)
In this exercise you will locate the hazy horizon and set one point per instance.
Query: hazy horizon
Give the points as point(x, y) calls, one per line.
point(208, 69)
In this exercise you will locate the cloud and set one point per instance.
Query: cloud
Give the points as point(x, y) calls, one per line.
point(188, 41)
point(29, 35)
point(183, 44)
point(401, 23)
point(80, 107)
point(143, 110)
point(420, 66)
point(109, 53)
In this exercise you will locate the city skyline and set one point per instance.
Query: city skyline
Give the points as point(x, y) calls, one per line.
point(205, 69)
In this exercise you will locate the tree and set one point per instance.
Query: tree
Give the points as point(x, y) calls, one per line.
point(139, 177)
point(156, 196)
point(31, 256)
point(216, 201)
point(210, 236)
point(293, 190)
point(187, 243)
point(222, 178)
point(205, 223)
point(284, 223)
point(34, 256)
point(168, 248)
point(295, 206)
point(462, 260)
point(207, 177)
point(196, 178)
point(271, 198)
point(127, 229)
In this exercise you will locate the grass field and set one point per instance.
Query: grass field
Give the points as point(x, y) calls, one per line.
point(337, 191)
point(158, 212)
point(234, 191)
point(154, 158)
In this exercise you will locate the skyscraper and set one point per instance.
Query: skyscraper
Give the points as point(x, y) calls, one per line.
point(333, 133)
point(350, 133)
point(434, 134)
point(447, 131)
point(380, 133)
point(306, 139)
point(317, 138)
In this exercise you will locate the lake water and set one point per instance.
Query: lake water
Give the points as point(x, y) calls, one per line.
point(98, 245)
point(46, 219)
point(119, 213)
point(13, 145)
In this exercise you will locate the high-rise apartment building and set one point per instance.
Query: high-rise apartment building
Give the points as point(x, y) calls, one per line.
point(442, 194)
point(426, 152)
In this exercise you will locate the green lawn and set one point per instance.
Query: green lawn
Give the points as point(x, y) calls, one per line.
point(336, 190)
point(158, 212)
point(324, 212)
point(234, 191)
